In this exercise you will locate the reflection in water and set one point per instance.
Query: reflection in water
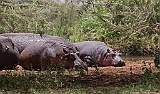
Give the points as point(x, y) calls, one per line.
point(137, 58)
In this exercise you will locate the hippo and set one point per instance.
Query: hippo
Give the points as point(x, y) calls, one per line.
point(98, 53)
point(9, 54)
point(46, 54)
point(22, 40)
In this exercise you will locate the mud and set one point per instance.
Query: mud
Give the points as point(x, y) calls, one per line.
point(130, 68)
point(109, 76)
point(117, 76)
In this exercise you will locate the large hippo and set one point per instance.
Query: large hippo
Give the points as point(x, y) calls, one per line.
point(22, 40)
point(96, 52)
point(42, 55)
point(8, 53)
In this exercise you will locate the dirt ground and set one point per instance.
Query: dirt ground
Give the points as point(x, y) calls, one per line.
point(111, 76)
point(134, 67)
point(117, 76)
point(131, 67)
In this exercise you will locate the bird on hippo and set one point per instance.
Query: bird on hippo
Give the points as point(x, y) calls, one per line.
point(9, 54)
point(98, 53)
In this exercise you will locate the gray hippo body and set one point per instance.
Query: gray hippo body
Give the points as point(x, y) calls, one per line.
point(96, 52)
point(22, 40)
point(9, 54)
point(46, 54)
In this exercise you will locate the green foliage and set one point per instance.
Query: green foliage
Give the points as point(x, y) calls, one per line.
point(35, 16)
point(126, 25)
point(157, 58)
point(130, 26)
point(157, 62)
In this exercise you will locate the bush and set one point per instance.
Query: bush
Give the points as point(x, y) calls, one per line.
point(130, 26)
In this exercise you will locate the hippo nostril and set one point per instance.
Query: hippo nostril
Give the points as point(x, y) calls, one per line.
point(123, 63)
point(77, 67)
point(120, 64)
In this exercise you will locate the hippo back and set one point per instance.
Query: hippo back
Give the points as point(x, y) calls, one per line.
point(21, 40)
point(99, 53)
point(44, 55)
point(93, 48)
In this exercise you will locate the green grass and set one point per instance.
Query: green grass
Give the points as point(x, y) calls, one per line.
point(64, 83)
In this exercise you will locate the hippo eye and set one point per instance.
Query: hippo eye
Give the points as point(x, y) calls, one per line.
point(13, 45)
point(69, 57)
point(76, 48)
point(66, 58)
point(120, 54)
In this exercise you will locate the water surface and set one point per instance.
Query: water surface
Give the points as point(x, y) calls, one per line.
point(137, 58)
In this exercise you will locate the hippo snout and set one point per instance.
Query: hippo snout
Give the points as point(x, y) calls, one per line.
point(79, 64)
point(120, 63)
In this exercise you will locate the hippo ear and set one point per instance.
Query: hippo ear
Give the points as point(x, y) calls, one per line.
point(105, 55)
point(108, 51)
point(65, 51)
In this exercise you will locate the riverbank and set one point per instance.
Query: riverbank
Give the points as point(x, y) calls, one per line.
point(101, 80)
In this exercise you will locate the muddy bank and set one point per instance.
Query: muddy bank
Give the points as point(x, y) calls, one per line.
point(132, 67)
point(105, 76)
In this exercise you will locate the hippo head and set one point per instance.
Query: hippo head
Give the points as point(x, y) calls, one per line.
point(112, 58)
point(6, 44)
point(119, 62)
point(71, 58)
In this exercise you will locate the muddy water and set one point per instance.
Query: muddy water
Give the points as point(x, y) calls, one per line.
point(137, 58)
